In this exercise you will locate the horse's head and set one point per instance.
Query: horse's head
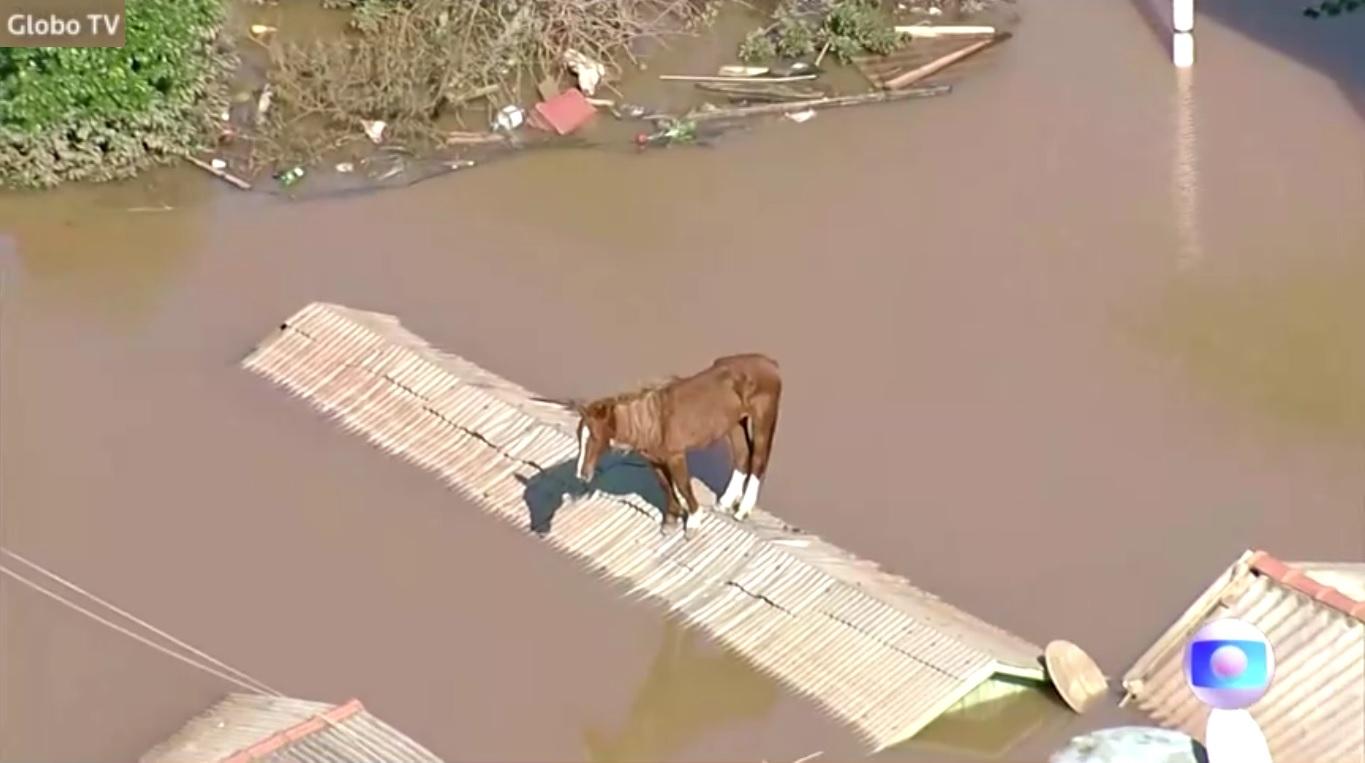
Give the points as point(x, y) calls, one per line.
point(596, 426)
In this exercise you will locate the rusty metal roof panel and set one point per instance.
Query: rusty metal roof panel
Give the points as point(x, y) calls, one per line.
point(255, 728)
point(869, 648)
point(1315, 709)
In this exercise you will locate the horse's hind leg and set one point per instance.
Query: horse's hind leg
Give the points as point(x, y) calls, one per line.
point(764, 422)
point(741, 464)
point(682, 480)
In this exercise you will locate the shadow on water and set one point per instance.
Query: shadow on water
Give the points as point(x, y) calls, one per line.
point(619, 474)
point(690, 689)
point(1333, 46)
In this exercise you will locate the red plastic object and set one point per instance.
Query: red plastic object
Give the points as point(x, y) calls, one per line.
point(565, 112)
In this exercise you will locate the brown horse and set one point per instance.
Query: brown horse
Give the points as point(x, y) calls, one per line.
point(736, 397)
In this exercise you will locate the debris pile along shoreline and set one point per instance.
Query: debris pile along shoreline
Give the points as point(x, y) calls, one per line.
point(389, 103)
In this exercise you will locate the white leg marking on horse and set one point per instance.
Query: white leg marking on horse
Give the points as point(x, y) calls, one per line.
point(582, 451)
point(750, 500)
point(733, 491)
point(693, 520)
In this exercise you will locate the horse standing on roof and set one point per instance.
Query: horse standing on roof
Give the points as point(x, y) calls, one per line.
point(737, 397)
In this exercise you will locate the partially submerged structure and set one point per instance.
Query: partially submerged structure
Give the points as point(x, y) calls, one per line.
point(871, 649)
point(260, 728)
point(1313, 614)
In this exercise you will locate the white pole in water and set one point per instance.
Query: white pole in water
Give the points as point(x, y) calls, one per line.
point(1182, 41)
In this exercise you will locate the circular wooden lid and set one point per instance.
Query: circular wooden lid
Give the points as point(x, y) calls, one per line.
point(1077, 678)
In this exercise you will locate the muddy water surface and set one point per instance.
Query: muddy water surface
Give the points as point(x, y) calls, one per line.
point(1058, 347)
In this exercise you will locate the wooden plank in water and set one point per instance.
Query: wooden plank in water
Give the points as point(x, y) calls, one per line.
point(879, 70)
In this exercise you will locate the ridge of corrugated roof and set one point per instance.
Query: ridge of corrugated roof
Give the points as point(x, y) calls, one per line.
point(1300, 579)
point(262, 728)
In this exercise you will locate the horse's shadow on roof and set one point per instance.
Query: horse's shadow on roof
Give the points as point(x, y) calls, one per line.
point(619, 474)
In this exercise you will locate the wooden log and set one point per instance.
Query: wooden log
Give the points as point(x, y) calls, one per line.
point(690, 78)
point(212, 170)
point(735, 70)
point(878, 96)
point(475, 137)
point(944, 31)
point(758, 92)
point(939, 64)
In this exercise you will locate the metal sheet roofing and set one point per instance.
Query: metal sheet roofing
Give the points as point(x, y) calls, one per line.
point(1315, 709)
point(874, 651)
point(257, 728)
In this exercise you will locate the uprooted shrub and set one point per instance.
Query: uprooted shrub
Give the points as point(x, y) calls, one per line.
point(104, 113)
point(847, 29)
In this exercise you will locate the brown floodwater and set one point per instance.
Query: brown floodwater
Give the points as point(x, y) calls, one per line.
point(1057, 347)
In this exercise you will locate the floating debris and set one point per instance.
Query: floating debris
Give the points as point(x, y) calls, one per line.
point(934, 67)
point(374, 129)
point(474, 137)
point(509, 118)
point(589, 72)
point(761, 91)
point(1074, 674)
point(737, 70)
point(630, 111)
point(218, 172)
point(564, 113)
point(925, 30)
point(669, 132)
point(290, 176)
point(713, 78)
point(345, 168)
point(794, 69)
point(263, 102)
point(262, 30)
point(835, 101)
point(218, 164)
point(801, 117)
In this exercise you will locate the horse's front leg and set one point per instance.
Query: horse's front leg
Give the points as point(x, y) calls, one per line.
point(671, 509)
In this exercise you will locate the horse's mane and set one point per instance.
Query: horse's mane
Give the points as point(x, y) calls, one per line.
point(639, 413)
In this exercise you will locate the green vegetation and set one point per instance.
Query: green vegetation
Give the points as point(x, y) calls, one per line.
point(104, 113)
point(851, 28)
point(795, 38)
point(1333, 8)
point(857, 26)
point(757, 47)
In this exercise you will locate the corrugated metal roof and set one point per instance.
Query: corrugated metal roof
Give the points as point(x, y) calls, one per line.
point(1315, 709)
point(256, 728)
point(867, 646)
